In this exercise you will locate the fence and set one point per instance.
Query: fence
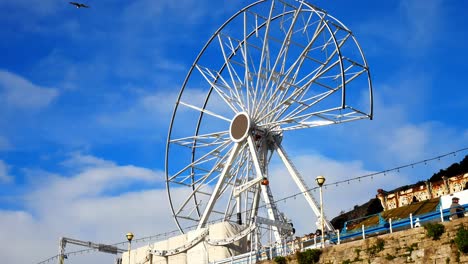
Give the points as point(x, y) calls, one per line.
point(392, 225)
point(383, 227)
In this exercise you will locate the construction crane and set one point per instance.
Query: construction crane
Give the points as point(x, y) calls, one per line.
point(100, 247)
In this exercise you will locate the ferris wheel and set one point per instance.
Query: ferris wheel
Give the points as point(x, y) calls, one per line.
point(274, 67)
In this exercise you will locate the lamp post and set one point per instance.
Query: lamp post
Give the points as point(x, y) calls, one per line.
point(320, 181)
point(129, 238)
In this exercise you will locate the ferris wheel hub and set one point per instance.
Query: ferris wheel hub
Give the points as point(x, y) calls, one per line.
point(240, 127)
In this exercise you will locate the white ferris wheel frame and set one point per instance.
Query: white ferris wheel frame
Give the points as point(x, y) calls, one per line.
point(282, 108)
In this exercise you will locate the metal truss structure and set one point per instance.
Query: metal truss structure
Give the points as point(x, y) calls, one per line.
point(274, 67)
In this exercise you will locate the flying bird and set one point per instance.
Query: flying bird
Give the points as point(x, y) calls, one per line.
point(79, 5)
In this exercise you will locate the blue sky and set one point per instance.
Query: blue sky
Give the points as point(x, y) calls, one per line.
point(86, 97)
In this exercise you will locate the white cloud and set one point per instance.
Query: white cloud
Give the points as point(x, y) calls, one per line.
point(80, 161)
point(407, 142)
point(4, 176)
point(413, 27)
point(18, 92)
point(402, 135)
point(149, 115)
point(100, 219)
point(336, 198)
point(91, 181)
point(423, 19)
point(153, 111)
point(78, 206)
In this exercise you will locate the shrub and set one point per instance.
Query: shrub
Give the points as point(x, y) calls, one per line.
point(434, 231)
point(377, 247)
point(358, 252)
point(411, 248)
point(309, 256)
point(461, 239)
point(280, 260)
point(379, 244)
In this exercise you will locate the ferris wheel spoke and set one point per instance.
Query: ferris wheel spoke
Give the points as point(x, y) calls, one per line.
point(264, 56)
point(235, 79)
point(204, 111)
point(307, 23)
point(303, 56)
point(282, 53)
point(286, 82)
point(321, 118)
point(288, 77)
point(320, 70)
point(219, 165)
point(213, 154)
point(204, 182)
point(237, 89)
point(218, 186)
point(240, 85)
point(246, 63)
point(285, 102)
point(303, 105)
point(203, 140)
point(261, 73)
point(284, 105)
point(183, 207)
point(235, 169)
point(196, 192)
point(276, 66)
point(305, 119)
point(306, 103)
point(212, 81)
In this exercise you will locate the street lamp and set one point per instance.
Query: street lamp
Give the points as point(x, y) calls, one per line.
point(129, 238)
point(320, 181)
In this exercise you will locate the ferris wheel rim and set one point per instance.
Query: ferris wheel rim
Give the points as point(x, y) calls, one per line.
point(179, 97)
point(202, 113)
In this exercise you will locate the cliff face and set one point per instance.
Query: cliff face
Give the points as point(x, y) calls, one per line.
point(409, 246)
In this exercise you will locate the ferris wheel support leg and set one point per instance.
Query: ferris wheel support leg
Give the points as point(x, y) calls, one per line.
point(272, 211)
point(218, 187)
point(239, 210)
point(255, 203)
point(301, 184)
point(266, 193)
